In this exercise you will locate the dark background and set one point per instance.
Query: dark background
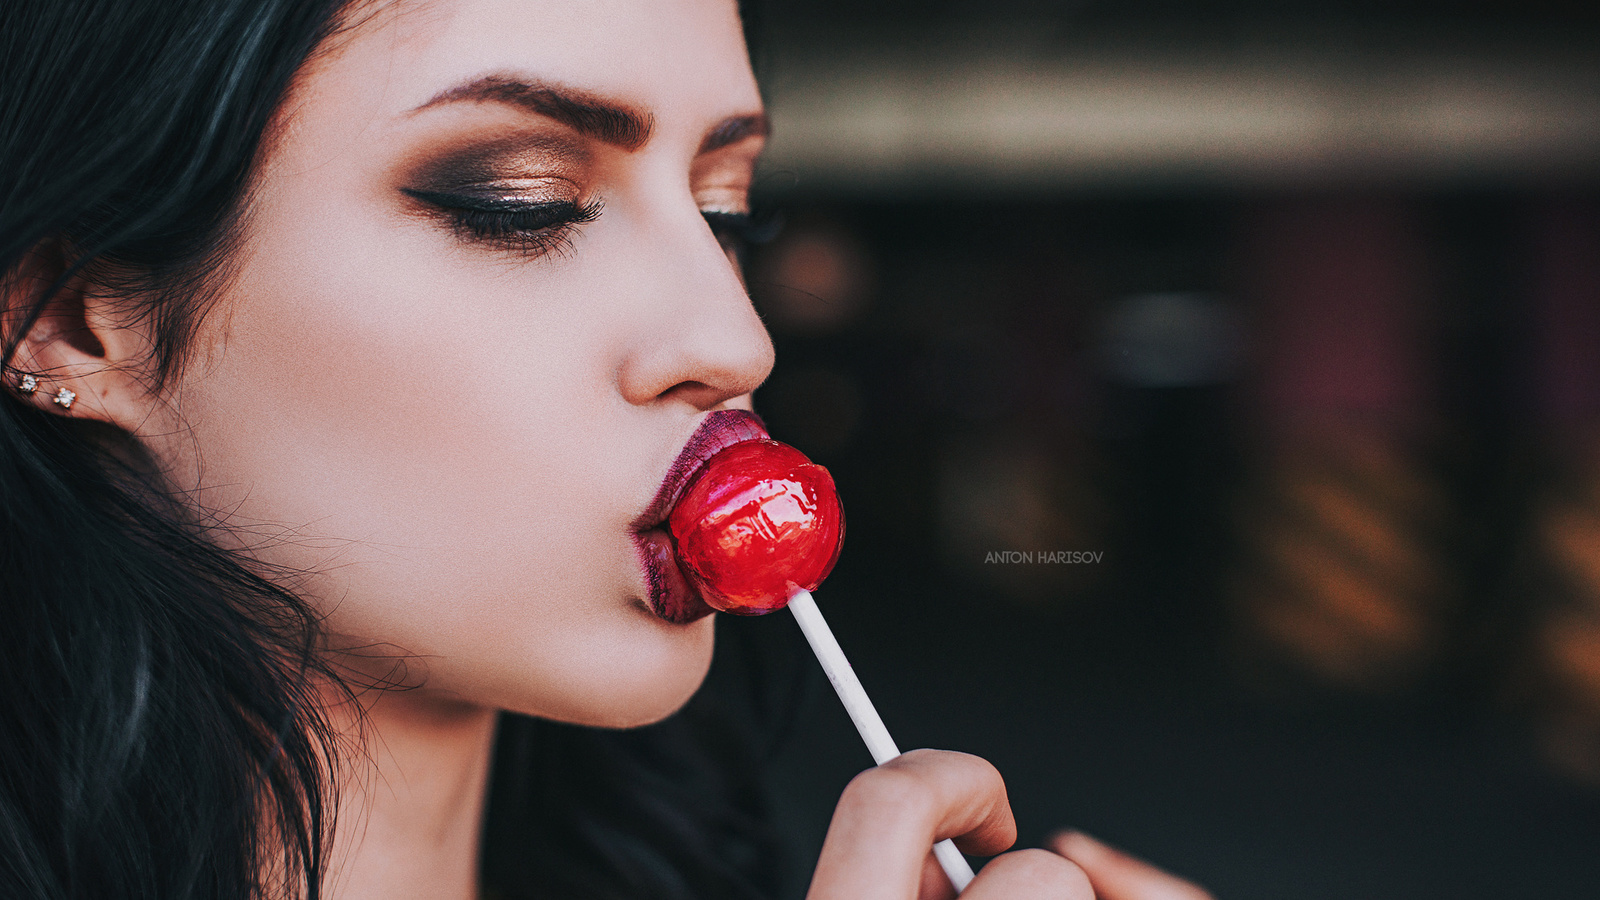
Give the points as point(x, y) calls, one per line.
point(947, 340)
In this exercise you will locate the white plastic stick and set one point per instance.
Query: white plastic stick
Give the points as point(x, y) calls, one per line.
point(854, 697)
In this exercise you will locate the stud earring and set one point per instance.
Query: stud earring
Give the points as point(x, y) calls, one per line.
point(64, 398)
point(27, 384)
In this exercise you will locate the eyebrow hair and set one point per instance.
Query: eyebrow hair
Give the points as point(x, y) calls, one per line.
point(609, 121)
point(735, 129)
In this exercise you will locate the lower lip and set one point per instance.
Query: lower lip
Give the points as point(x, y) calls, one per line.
point(671, 596)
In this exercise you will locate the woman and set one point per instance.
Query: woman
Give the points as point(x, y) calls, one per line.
point(346, 349)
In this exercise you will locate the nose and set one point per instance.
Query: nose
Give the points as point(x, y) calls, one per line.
point(700, 341)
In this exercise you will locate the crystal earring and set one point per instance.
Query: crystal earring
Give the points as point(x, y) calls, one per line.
point(64, 398)
point(27, 383)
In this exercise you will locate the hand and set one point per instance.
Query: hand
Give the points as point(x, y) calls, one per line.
point(878, 845)
point(1118, 876)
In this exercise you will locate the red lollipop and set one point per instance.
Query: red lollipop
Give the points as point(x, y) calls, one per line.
point(759, 521)
point(757, 530)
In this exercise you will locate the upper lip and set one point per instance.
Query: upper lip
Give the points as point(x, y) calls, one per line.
point(718, 431)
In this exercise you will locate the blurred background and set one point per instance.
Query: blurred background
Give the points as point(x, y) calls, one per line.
point(1213, 387)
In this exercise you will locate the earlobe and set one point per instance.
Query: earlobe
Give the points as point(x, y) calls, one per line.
point(28, 384)
point(73, 357)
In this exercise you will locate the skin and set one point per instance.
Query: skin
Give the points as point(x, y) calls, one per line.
point(451, 435)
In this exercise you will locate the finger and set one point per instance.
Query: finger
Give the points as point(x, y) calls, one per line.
point(1030, 875)
point(1118, 876)
point(889, 817)
point(935, 883)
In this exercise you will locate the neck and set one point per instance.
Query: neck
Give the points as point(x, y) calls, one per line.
point(411, 798)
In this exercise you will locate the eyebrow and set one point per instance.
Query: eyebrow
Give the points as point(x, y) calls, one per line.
point(734, 129)
point(614, 123)
point(609, 121)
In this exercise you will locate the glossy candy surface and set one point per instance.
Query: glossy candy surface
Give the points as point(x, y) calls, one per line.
point(758, 521)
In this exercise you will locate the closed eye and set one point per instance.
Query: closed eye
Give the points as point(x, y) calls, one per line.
point(533, 228)
point(736, 231)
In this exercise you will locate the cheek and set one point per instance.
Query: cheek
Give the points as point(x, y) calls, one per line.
point(407, 402)
point(440, 441)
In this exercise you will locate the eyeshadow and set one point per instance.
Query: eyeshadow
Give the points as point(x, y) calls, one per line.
point(515, 157)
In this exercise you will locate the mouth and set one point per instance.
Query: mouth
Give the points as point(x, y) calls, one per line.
point(671, 595)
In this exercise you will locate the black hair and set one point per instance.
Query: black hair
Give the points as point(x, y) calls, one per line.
point(161, 733)
point(161, 737)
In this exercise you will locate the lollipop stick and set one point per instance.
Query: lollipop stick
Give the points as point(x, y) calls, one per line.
point(854, 697)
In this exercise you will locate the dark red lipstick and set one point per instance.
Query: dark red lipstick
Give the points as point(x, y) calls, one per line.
point(672, 597)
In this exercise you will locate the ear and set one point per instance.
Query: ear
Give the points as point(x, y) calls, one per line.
point(77, 358)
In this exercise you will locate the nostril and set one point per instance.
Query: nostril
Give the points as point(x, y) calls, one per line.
point(698, 394)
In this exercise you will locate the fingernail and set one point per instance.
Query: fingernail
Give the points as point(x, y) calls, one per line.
point(1072, 842)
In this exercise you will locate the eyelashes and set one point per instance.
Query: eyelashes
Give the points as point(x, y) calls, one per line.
point(535, 229)
point(736, 231)
point(545, 227)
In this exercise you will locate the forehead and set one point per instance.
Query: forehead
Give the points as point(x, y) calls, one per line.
point(682, 61)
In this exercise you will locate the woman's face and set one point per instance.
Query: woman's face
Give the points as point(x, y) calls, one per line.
point(477, 314)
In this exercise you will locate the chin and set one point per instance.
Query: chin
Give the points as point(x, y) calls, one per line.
point(639, 689)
